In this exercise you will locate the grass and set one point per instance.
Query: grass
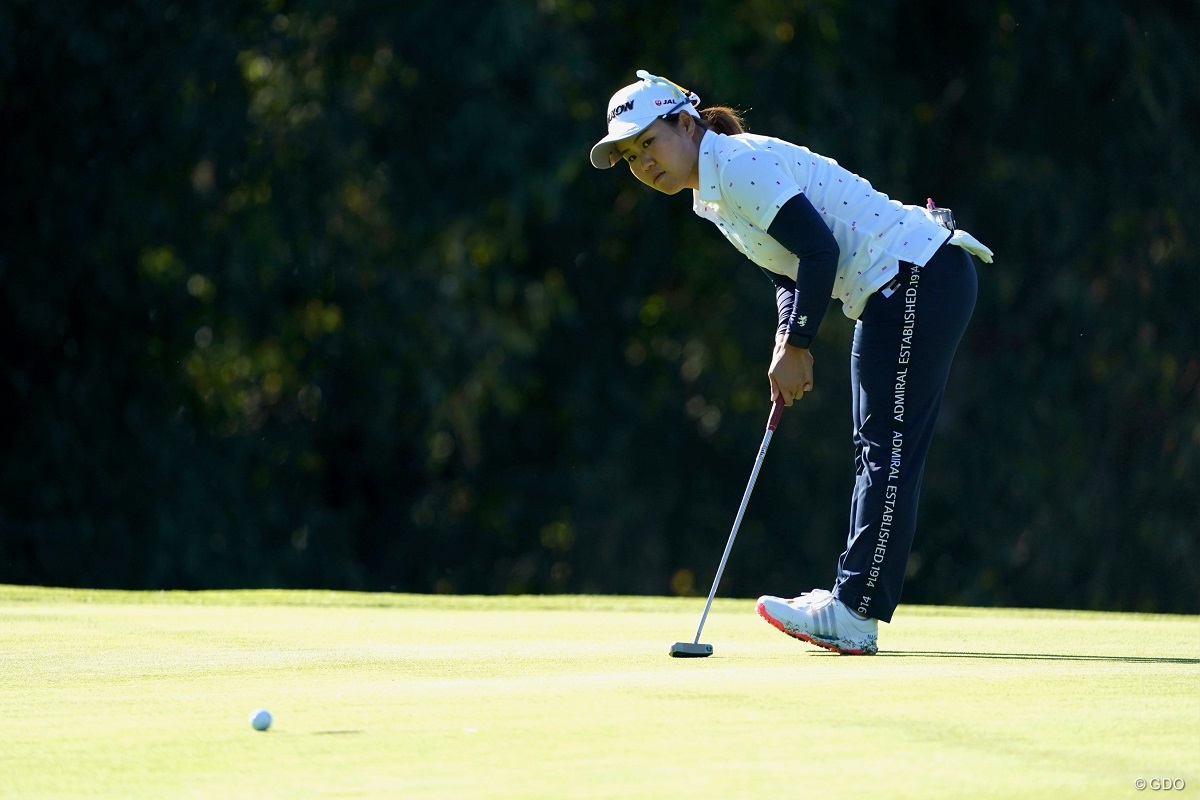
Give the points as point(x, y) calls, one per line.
point(147, 695)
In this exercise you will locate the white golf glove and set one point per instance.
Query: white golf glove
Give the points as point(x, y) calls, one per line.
point(972, 245)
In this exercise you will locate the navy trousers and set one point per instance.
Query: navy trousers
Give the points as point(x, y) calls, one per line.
point(903, 347)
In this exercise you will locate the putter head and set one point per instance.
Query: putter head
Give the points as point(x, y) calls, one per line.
point(689, 650)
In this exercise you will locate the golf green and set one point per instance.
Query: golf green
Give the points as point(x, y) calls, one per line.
point(148, 695)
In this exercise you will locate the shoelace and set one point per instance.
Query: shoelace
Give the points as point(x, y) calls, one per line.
point(807, 598)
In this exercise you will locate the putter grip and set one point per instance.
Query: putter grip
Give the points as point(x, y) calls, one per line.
point(776, 410)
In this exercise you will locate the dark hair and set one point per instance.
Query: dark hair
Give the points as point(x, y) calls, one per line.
point(721, 119)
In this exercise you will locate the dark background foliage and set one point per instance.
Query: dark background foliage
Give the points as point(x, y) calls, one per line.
point(327, 295)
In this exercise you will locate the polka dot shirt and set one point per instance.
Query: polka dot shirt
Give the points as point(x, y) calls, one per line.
point(746, 179)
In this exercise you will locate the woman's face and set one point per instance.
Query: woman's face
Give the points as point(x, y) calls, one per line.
point(664, 156)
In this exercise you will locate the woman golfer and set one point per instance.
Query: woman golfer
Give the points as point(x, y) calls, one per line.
point(820, 231)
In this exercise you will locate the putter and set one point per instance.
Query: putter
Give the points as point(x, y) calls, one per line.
point(694, 649)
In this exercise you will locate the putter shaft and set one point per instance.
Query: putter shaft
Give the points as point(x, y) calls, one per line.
point(772, 422)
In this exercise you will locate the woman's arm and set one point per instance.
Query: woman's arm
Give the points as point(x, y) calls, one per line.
point(801, 303)
point(799, 227)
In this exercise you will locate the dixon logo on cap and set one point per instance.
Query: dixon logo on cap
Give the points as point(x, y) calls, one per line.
point(618, 110)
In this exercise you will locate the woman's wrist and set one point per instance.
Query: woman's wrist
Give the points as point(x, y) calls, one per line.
point(799, 341)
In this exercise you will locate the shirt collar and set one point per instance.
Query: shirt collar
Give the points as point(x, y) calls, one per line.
point(710, 190)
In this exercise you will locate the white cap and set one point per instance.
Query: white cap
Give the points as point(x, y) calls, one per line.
point(634, 108)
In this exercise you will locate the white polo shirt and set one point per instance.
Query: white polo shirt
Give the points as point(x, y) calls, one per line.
point(746, 179)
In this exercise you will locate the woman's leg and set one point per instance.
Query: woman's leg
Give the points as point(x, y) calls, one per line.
point(903, 348)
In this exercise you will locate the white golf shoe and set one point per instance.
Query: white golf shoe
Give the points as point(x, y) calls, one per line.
point(824, 621)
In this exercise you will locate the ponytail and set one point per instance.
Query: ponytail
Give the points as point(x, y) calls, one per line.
point(723, 119)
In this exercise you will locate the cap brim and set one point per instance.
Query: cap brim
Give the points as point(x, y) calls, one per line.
point(603, 155)
point(604, 152)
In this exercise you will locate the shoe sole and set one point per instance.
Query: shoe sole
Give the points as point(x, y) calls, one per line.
point(813, 640)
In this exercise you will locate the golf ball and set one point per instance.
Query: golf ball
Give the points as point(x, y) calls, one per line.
point(260, 719)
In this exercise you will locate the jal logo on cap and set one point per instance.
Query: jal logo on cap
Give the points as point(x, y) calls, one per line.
point(619, 110)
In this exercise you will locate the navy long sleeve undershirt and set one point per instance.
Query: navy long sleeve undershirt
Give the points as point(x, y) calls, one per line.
point(802, 302)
